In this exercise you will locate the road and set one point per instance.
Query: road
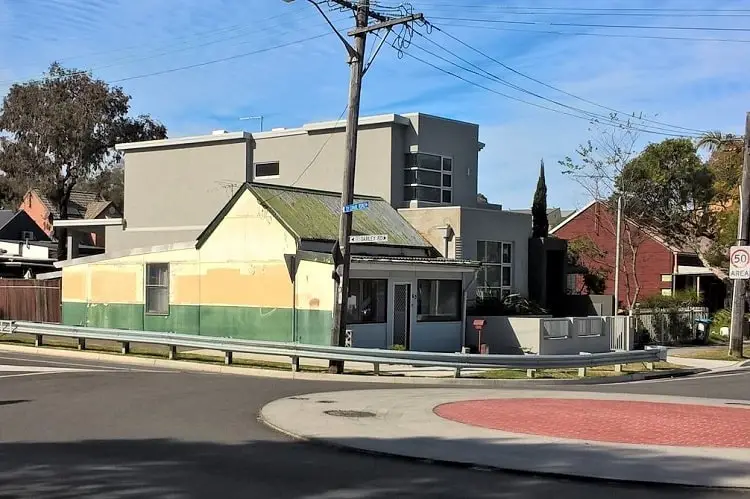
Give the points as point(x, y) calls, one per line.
point(111, 431)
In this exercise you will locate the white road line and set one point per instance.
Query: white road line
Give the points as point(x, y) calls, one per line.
point(688, 378)
point(40, 361)
point(23, 374)
point(39, 369)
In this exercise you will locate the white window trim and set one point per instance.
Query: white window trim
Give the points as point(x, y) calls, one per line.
point(146, 286)
point(255, 170)
point(510, 265)
point(442, 172)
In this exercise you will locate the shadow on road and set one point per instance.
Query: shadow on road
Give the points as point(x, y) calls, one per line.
point(286, 469)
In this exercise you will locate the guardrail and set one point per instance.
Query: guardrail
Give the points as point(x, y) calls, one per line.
point(296, 351)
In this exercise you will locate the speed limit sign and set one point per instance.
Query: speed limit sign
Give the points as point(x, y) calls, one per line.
point(739, 262)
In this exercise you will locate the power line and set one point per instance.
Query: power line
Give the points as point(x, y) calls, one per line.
point(603, 35)
point(541, 106)
point(589, 25)
point(535, 80)
point(594, 9)
point(528, 11)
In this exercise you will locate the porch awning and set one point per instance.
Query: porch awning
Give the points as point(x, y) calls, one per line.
point(691, 270)
point(420, 263)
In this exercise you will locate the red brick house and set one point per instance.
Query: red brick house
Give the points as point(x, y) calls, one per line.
point(649, 265)
point(82, 205)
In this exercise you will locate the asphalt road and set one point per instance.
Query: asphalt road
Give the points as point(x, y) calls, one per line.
point(112, 432)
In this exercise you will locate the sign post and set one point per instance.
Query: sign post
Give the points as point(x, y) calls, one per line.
point(739, 262)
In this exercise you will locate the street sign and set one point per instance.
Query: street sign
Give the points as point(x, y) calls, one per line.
point(739, 262)
point(368, 239)
point(356, 207)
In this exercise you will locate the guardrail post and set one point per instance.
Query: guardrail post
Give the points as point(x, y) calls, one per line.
point(618, 368)
point(295, 364)
point(649, 366)
point(582, 372)
point(172, 352)
point(531, 373)
point(457, 374)
point(125, 347)
point(228, 358)
point(376, 369)
point(38, 340)
point(81, 343)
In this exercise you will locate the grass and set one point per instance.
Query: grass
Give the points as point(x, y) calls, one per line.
point(603, 371)
point(708, 354)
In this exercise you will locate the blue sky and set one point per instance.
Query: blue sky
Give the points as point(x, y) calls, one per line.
point(701, 85)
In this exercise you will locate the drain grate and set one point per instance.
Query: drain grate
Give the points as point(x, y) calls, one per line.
point(350, 414)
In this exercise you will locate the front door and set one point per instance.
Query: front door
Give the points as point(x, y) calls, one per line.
point(402, 314)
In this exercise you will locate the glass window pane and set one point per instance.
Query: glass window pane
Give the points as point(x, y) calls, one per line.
point(481, 250)
point(438, 301)
point(410, 193)
point(367, 303)
point(506, 276)
point(267, 169)
point(447, 164)
point(157, 300)
point(412, 160)
point(430, 162)
point(447, 196)
point(493, 251)
point(157, 274)
point(507, 253)
point(428, 178)
point(410, 177)
point(494, 275)
point(430, 194)
point(447, 180)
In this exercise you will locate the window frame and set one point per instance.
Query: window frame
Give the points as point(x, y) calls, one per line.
point(30, 234)
point(428, 318)
point(148, 286)
point(445, 189)
point(501, 290)
point(384, 305)
point(262, 163)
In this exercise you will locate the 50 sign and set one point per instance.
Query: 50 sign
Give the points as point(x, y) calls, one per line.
point(739, 262)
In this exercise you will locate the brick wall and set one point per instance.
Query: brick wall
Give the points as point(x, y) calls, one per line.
point(651, 262)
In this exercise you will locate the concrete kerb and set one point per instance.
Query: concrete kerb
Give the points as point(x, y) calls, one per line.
point(359, 438)
point(204, 367)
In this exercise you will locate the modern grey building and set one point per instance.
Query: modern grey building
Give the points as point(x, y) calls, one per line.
point(424, 165)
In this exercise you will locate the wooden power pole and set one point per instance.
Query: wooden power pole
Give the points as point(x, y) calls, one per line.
point(341, 251)
point(743, 234)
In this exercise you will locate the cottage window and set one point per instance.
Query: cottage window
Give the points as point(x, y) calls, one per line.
point(157, 288)
point(428, 177)
point(367, 303)
point(495, 279)
point(439, 300)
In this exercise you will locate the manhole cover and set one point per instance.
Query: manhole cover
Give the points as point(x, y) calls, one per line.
point(350, 414)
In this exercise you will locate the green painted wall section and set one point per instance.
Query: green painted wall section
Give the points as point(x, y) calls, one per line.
point(313, 326)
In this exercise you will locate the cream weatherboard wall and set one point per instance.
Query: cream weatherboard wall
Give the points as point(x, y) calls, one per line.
point(237, 284)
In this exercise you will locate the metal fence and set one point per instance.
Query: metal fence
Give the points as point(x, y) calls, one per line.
point(668, 326)
point(295, 351)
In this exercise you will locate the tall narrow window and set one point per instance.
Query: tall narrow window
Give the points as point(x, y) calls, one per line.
point(157, 288)
point(495, 279)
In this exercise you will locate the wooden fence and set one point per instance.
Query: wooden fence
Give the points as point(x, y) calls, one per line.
point(30, 300)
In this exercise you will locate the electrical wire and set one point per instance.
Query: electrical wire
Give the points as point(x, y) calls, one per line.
point(590, 25)
point(569, 94)
point(541, 106)
point(594, 9)
point(602, 35)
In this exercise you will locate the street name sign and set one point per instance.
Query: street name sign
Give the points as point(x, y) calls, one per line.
point(356, 207)
point(739, 262)
point(368, 239)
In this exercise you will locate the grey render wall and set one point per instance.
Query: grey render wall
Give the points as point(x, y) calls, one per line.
point(458, 140)
point(296, 153)
point(472, 225)
point(173, 192)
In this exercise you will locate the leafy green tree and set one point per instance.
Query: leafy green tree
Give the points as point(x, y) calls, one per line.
point(61, 130)
point(110, 184)
point(540, 222)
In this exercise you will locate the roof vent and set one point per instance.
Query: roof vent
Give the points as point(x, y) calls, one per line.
point(219, 132)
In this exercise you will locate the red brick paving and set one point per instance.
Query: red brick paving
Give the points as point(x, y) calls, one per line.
point(613, 421)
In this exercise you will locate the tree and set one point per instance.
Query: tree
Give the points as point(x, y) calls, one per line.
point(110, 184)
point(672, 192)
point(540, 227)
point(598, 165)
point(62, 129)
point(591, 261)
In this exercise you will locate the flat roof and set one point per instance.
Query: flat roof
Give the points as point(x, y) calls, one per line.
point(181, 141)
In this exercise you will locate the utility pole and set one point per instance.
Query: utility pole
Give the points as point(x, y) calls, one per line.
point(618, 242)
point(743, 234)
point(341, 250)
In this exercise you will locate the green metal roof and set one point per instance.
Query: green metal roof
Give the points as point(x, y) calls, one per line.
point(314, 215)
